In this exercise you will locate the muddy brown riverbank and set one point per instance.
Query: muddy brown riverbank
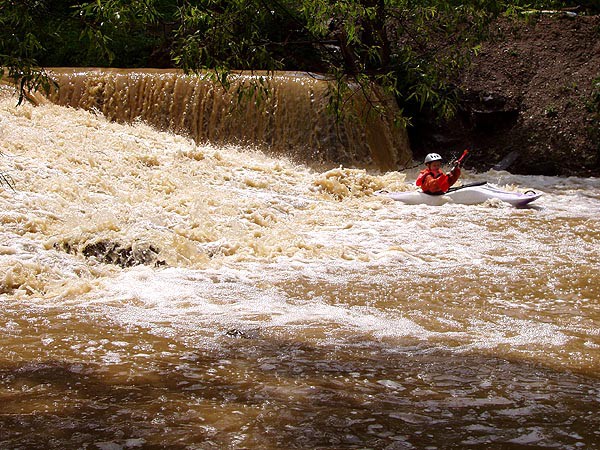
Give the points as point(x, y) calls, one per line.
point(529, 94)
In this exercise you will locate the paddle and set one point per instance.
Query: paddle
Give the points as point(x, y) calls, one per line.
point(458, 163)
point(478, 183)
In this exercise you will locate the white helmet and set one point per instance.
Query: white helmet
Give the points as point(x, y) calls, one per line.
point(432, 157)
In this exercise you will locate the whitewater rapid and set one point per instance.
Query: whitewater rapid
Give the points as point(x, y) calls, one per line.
point(235, 239)
point(241, 300)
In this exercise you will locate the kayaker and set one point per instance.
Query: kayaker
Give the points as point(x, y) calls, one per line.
point(433, 180)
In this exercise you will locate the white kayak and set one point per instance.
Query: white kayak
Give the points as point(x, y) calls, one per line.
point(465, 195)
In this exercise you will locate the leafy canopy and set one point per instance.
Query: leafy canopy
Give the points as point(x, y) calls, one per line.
point(408, 49)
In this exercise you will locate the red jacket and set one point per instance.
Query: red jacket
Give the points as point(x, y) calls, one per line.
point(437, 182)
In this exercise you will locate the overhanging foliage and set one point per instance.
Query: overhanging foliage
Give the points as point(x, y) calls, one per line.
point(411, 50)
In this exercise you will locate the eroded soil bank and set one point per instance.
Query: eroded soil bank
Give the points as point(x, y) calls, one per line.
point(528, 97)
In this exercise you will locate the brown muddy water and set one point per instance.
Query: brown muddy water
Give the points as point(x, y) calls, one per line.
point(160, 293)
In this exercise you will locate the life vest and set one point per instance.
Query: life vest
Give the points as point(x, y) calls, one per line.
point(437, 182)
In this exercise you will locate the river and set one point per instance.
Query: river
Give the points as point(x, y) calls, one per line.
point(156, 292)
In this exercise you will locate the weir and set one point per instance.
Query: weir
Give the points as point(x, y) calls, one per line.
point(291, 121)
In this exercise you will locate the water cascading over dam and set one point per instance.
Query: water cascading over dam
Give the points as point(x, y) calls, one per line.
point(292, 120)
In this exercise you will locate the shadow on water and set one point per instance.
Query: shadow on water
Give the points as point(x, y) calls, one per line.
point(265, 393)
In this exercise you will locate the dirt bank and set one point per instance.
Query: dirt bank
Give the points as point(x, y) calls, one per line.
point(527, 99)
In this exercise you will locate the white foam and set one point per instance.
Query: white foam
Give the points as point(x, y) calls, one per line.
point(252, 241)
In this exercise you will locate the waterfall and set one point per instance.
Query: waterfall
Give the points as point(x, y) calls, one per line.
point(292, 120)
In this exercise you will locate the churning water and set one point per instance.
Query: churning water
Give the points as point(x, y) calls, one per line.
point(160, 293)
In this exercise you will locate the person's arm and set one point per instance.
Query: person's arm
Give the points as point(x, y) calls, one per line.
point(435, 185)
point(453, 175)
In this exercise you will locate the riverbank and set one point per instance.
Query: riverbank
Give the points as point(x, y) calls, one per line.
point(528, 97)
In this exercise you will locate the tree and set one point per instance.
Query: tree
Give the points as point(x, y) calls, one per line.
point(19, 43)
point(407, 49)
point(41, 33)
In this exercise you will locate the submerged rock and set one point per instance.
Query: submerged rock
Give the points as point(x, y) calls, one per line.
point(114, 252)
